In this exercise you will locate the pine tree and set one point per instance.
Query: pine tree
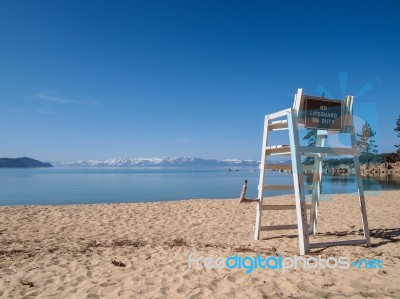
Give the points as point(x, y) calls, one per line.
point(311, 136)
point(397, 129)
point(366, 143)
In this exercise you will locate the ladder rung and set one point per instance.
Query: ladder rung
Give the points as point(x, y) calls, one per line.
point(330, 151)
point(278, 187)
point(277, 150)
point(278, 227)
point(278, 114)
point(278, 166)
point(278, 125)
point(337, 243)
point(308, 187)
point(281, 207)
point(277, 146)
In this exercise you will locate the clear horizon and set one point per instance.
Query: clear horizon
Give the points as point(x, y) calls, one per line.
point(85, 80)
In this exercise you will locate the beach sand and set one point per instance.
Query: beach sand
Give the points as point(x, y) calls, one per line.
point(67, 251)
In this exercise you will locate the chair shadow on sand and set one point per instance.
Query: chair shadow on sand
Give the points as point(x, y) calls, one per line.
point(390, 235)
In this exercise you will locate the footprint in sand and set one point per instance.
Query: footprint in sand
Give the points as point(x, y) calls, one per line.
point(107, 284)
point(81, 278)
point(231, 278)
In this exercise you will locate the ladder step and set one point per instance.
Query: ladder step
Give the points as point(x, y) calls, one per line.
point(278, 166)
point(278, 227)
point(281, 207)
point(337, 243)
point(329, 151)
point(278, 187)
point(308, 187)
point(310, 151)
point(277, 146)
point(278, 125)
point(277, 150)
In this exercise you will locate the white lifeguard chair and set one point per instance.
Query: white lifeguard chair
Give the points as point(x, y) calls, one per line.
point(328, 117)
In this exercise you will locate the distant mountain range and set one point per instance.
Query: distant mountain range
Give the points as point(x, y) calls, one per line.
point(159, 162)
point(23, 162)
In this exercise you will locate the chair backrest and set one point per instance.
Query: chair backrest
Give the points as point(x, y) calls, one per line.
point(348, 113)
point(298, 105)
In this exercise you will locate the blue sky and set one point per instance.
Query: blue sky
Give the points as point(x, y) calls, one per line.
point(100, 79)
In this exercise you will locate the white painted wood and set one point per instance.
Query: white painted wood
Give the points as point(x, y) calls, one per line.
point(317, 178)
point(281, 207)
point(261, 181)
point(277, 146)
point(298, 182)
point(337, 243)
point(345, 103)
point(279, 114)
point(278, 125)
point(309, 187)
point(336, 132)
point(296, 152)
point(331, 151)
point(360, 189)
point(297, 101)
point(277, 150)
point(345, 114)
point(278, 187)
point(278, 227)
point(351, 100)
point(281, 153)
point(323, 133)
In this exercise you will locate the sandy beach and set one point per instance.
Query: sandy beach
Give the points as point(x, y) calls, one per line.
point(141, 250)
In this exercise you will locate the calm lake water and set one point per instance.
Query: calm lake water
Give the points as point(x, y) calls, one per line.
point(115, 185)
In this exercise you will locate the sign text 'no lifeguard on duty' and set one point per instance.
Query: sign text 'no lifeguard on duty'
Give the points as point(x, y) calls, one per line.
point(321, 113)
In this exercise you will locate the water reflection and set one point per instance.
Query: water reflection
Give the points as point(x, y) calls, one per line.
point(348, 184)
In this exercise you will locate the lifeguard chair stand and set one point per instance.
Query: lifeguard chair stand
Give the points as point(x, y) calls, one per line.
point(328, 117)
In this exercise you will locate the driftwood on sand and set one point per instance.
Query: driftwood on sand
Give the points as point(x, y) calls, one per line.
point(243, 198)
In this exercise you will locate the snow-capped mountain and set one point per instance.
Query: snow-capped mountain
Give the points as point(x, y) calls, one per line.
point(159, 162)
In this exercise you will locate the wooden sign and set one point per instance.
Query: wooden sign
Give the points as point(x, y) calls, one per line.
point(321, 113)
